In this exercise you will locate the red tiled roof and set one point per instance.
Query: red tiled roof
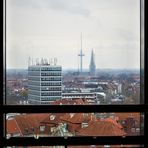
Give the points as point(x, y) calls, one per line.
point(124, 116)
point(76, 117)
point(56, 118)
point(30, 122)
point(12, 127)
point(114, 122)
point(75, 120)
point(102, 146)
point(78, 101)
point(101, 128)
point(89, 146)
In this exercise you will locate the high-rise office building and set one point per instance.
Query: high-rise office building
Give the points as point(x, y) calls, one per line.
point(92, 66)
point(44, 83)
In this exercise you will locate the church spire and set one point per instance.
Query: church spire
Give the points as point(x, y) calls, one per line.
point(92, 66)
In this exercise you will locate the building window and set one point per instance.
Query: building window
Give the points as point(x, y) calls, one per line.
point(52, 117)
point(42, 128)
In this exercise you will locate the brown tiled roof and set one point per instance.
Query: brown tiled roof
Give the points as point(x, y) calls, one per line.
point(114, 122)
point(55, 120)
point(89, 146)
point(12, 127)
point(124, 116)
point(101, 128)
point(81, 101)
point(76, 118)
point(86, 146)
point(29, 123)
point(78, 101)
point(102, 146)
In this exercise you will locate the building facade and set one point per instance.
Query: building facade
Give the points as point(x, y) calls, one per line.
point(44, 83)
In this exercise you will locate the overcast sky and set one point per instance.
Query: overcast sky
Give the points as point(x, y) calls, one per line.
point(52, 28)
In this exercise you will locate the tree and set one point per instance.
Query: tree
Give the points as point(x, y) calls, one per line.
point(24, 93)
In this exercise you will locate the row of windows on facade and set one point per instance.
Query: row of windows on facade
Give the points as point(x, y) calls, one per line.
point(44, 88)
point(51, 79)
point(51, 68)
point(50, 98)
point(51, 94)
point(45, 83)
point(51, 84)
point(46, 93)
point(50, 74)
point(46, 98)
point(44, 68)
point(58, 78)
point(30, 73)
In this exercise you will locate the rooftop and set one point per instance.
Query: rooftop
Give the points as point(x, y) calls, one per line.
point(12, 127)
point(101, 128)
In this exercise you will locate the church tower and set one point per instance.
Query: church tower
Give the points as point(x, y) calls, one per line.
point(92, 66)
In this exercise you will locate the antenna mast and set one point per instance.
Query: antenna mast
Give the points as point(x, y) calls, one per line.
point(81, 56)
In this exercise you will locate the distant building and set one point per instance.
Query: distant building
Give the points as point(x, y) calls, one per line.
point(92, 66)
point(120, 88)
point(44, 83)
point(90, 97)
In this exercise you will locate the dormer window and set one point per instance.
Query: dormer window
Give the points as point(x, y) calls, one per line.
point(42, 128)
point(138, 130)
point(52, 117)
point(52, 129)
point(83, 125)
point(71, 115)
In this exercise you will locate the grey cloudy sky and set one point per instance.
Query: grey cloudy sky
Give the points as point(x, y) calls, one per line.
point(52, 28)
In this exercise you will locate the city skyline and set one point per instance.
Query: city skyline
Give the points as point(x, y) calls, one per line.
point(52, 28)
